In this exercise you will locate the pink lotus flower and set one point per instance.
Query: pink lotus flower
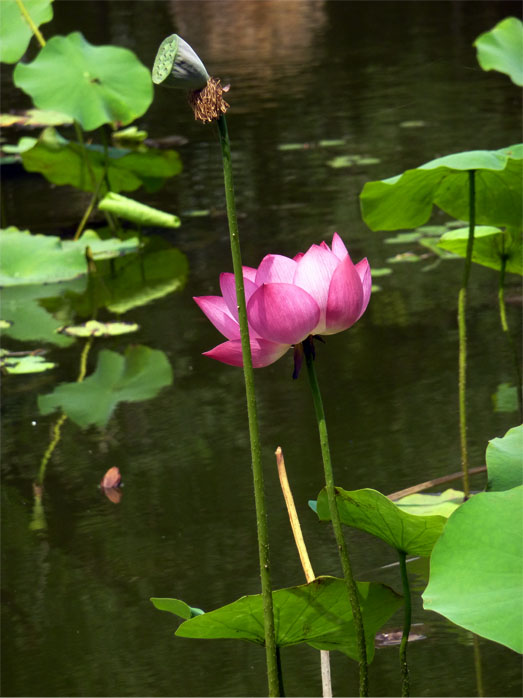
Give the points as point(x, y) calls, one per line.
point(318, 292)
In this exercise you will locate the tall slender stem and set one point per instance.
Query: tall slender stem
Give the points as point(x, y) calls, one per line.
point(506, 330)
point(32, 25)
point(407, 619)
point(335, 518)
point(257, 471)
point(462, 328)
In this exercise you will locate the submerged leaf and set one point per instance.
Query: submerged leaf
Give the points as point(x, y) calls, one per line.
point(138, 375)
point(505, 398)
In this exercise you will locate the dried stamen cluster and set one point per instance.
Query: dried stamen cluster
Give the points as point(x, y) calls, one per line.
point(208, 103)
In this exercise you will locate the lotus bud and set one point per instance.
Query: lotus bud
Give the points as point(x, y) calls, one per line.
point(177, 65)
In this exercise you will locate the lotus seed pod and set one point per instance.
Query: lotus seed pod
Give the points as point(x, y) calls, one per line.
point(177, 65)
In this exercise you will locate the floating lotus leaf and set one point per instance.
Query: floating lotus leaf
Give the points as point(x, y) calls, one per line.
point(501, 49)
point(505, 460)
point(136, 212)
point(93, 328)
point(94, 85)
point(64, 162)
point(406, 201)
point(35, 117)
point(24, 364)
point(27, 259)
point(491, 246)
point(476, 568)
point(371, 511)
point(138, 375)
point(15, 32)
point(30, 321)
point(318, 613)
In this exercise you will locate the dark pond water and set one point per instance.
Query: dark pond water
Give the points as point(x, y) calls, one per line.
point(77, 619)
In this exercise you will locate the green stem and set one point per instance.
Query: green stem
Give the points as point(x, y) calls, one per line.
point(407, 619)
point(477, 666)
point(506, 330)
point(32, 25)
point(257, 471)
point(335, 517)
point(462, 328)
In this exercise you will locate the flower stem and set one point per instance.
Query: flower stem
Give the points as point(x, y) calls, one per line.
point(462, 328)
point(407, 619)
point(257, 471)
point(32, 25)
point(506, 330)
point(335, 517)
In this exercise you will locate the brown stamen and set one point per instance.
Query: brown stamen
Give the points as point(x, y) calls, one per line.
point(208, 103)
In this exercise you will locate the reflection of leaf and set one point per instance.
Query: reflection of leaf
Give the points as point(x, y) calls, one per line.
point(406, 201)
point(318, 613)
point(93, 328)
point(476, 570)
point(137, 212)
point(15, 33)
point(505, 460)
point(505, 399)
point(371, 511)
point(63, 162)
point(501, 49)
point(94, 85)
point(491, 245)
point(138, 375)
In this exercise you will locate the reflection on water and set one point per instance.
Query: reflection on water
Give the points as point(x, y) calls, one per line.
point(77, 618)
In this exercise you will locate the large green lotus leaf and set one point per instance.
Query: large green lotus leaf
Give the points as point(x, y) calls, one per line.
point(406, 201)
point(476, 568)
point(138, 375)
point(429, 504)
point(43, 259)
point(94, 85)
point(317, 613)
point(15, 32)
point(24, 307)
point(64, 162)
point(137, 212)
point(375, 513)
point(491, 246)
point(501, 49)
point(504, 459)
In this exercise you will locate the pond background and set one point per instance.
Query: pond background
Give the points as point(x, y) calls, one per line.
point(76, 615)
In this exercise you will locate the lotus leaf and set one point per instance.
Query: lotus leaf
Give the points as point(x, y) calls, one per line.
point(505, 460)
point(501, 49)
point(93, 328)
point(476, 568)
point(491, 246)
point(428, 504)
point(136, 212)
point(371, 511)
point(406, 201)
point(25, 364)
point(15, 32)
point(138, 375)
point(318, 613)
point(94, 85)
point(64, 162)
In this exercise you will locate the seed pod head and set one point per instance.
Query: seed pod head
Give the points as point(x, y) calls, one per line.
point(177, 65)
